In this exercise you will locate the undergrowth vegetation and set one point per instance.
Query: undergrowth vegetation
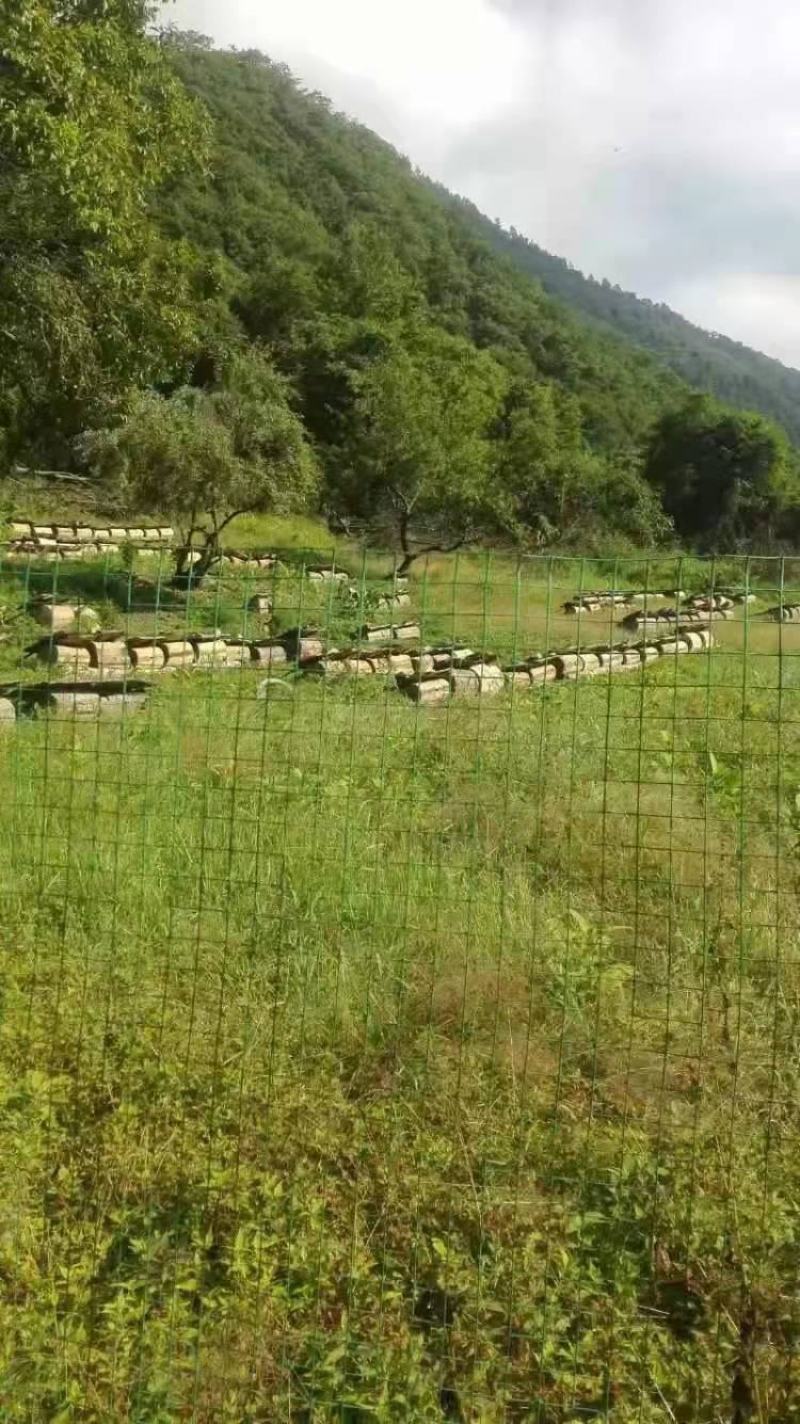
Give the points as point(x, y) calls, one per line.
point(367, 1061)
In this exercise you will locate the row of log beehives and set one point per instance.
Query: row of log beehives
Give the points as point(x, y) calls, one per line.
point(425, 674)
point(49, 542)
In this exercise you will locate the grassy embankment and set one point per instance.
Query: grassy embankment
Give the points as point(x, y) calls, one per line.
point(365, 1061)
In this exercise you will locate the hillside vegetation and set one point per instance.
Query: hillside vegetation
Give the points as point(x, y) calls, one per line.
point(220, 296)
point(707, 360)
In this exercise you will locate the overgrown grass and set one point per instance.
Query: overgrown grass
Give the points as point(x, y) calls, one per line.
point(361, 1061)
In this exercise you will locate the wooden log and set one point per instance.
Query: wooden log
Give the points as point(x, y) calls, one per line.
point(209, 650)
point(544, 671)
point(658, 618)
point(671, 647)
point(331, 666)
point(359, 667)
point(574, 665)
point(519, 678)
point(43, 531)
point(146, 654)
point(479, 680)
point(58, 617)
point(166, 532)
point(66, 656)
point(72, 703)
point(611, 659)
point(611, 600)
point(84, 534)
point(697, 640)
point(328, 575)
point(65, 533)
point(101, 536)
point(303, 647)
point(111, 657)
point(238, 653)
point(427, 690)
point(581, 605)
point(423, 663)
point(134, 535)
point(8, 713)
point(710, 600)
point(407, 632)
point(270, 654)
point(380, 663)
point(402, 664)
point(178, 652)
point(20, 529)
point(121, 704)
point(453, 655)
point(389, 632)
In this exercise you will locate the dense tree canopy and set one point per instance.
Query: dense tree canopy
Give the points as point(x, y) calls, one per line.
point(93, 299)
point(725, 476)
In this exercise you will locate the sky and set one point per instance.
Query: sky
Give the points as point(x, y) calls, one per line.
point(652, 142)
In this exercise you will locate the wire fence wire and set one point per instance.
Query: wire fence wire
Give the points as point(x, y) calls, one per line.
point(400, 1002)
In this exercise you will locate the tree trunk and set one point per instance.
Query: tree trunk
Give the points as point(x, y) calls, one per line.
point(192, 575)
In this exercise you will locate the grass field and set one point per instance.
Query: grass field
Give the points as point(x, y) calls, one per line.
point(362, 1061)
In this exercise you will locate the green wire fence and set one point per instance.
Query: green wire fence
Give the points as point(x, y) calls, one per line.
point(399, 996)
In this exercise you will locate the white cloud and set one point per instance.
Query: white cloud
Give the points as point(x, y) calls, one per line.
point(651, 141)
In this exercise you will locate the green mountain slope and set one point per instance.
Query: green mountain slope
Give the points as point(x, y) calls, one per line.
point(252, 303)
point(706, 360)
point(437, 379)
point(298, 193)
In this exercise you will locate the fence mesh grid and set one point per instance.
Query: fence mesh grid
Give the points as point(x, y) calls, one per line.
point(400, 1003)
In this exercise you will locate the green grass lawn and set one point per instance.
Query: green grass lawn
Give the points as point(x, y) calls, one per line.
point(362, 1061)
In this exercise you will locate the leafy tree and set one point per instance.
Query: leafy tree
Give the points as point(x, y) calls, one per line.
point(725, 477)
point(93, 299)
point(560, 489)
point(207, 457)
point(421, 455)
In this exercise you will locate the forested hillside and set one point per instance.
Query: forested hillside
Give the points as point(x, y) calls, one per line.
point(218, 295)
point(707, 360)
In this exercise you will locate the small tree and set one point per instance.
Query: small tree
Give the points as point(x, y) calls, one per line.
point(421, 450)
point(207, 457)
